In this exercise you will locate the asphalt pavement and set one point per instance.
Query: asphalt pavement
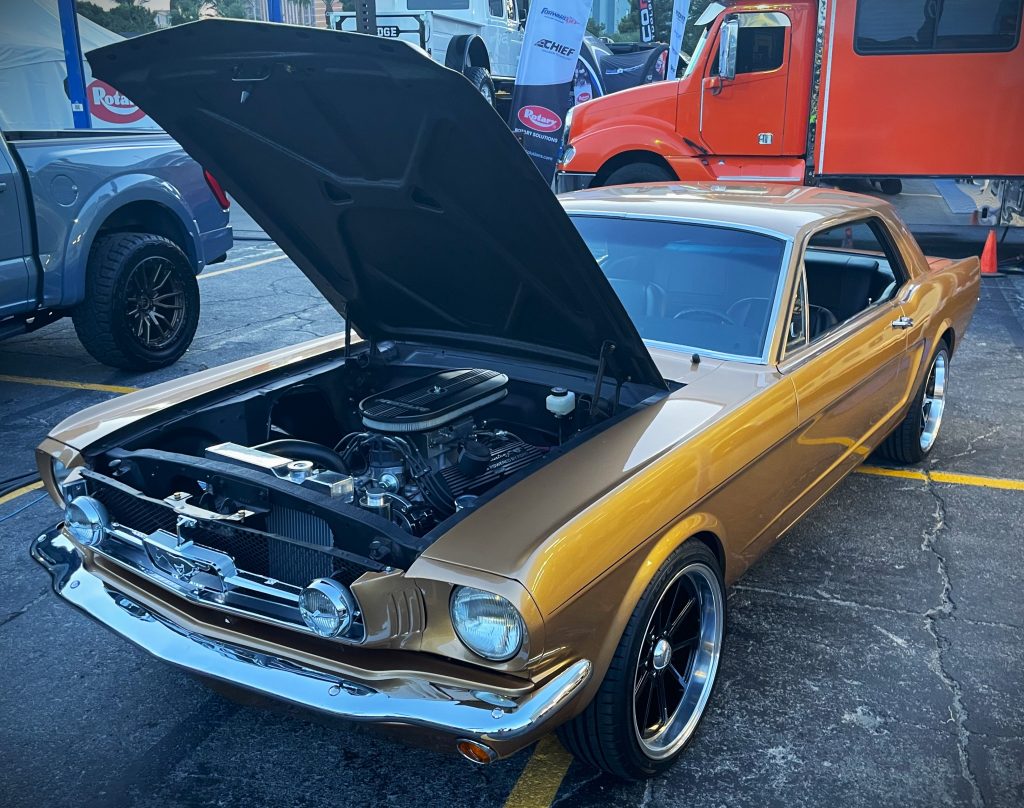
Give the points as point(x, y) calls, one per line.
point(875, 658)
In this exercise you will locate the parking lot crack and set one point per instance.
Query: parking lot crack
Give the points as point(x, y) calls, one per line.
point(7, 618)
point(933, 618)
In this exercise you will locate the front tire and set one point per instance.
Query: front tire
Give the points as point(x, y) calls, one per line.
point(481, 79)
point(914, 438)
point(141, 306)
point(635, 173)
point(661, 678)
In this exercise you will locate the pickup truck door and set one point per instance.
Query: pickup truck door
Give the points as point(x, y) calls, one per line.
point(746, 115)
point(17, 293)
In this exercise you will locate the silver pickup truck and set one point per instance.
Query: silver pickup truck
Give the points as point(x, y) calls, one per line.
point(110, 228)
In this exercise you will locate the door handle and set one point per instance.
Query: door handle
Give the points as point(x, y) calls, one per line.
point(3, 187)
point(903, 322)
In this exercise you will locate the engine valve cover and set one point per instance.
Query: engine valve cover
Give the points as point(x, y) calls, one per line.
point(432, 401)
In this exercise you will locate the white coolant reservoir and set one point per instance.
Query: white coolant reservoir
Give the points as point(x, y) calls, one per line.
point(561, 402)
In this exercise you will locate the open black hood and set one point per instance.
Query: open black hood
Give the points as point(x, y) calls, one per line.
point(389, 181)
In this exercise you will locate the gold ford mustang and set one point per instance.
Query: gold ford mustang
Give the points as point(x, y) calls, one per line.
point(509, 497)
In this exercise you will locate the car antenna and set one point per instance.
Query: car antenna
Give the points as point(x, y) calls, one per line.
point(695, 359)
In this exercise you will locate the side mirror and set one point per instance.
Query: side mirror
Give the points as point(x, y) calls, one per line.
point(727, 49)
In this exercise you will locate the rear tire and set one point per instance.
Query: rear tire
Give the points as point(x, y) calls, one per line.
point(914, 438)
point(141, 306)
point(639, 173)
point(891, 187)
point(481, 79)
point(615, 733)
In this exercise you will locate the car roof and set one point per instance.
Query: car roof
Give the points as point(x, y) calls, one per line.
point(778, 208)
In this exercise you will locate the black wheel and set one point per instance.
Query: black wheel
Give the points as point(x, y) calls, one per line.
point(891, 187)
point(481, 79)
point(141, 306)
point(657, 687)
point(914, 438)
point(638, 173)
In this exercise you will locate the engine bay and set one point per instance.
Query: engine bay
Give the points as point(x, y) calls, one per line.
point(365, 463)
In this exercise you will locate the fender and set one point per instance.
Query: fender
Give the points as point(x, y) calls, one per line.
point(466, 51)
point(66, 287)
point(596, 148)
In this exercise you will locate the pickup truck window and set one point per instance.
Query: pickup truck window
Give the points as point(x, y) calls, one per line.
point(940, 26)
point(691, 287)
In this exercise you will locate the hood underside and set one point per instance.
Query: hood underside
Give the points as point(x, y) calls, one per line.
point(389, 181)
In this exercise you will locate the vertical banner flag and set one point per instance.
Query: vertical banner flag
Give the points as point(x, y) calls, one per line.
point(680, 12)
point(547, 68)
point(646, 20)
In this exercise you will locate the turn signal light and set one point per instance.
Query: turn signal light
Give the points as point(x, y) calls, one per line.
point(476, 752)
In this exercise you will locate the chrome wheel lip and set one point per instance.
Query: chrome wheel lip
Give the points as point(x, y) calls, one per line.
point(933, 403)
point(704, 667)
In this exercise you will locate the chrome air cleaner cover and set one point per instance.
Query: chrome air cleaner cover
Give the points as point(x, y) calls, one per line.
point(433, 400)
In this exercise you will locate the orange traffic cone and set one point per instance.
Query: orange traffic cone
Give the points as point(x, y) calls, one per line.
point(989, 260)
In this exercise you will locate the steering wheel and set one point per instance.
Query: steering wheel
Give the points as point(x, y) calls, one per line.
point(706, 314)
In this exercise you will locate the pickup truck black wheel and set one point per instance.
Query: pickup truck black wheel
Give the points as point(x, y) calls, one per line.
point(639, 172)
point(913, 439)
point(141, 306)
point(657, 687)
point(481, 79)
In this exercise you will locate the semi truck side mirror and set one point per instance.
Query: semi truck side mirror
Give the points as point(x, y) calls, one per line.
point(727, 49)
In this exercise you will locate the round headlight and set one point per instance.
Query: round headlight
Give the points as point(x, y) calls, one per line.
point(487, 624)
point(86, 519)
point(327, 607)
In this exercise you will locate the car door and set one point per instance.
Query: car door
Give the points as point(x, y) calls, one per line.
point(746, 115)
point(848, 365)
point(16, 290)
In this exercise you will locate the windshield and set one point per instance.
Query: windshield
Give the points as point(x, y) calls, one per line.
point(695, 56)
point(690, 287)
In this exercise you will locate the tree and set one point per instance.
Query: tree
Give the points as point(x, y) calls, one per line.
point(595, 28)
point(186, 10)
point(128, 17)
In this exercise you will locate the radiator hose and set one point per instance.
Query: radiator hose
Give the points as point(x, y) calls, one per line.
point(295, 449)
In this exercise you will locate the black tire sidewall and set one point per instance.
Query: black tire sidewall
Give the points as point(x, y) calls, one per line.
point(132, 353)
point(637, 173)
point(480, 79)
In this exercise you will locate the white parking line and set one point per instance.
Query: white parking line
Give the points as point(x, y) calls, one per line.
point(250, 265)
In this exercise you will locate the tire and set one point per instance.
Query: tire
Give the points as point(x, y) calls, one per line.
point(481, 79)
point(123, 269)
point(639, 173)
point(605, 734)
point(914, 438)
point(891, 187)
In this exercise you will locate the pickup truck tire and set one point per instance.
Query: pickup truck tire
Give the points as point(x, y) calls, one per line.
point(141, 306)
point(481, 79)
point(639, 172)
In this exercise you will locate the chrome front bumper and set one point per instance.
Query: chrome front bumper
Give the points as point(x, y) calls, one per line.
point(434, 707)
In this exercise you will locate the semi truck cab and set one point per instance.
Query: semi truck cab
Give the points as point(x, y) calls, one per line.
point(898, 92)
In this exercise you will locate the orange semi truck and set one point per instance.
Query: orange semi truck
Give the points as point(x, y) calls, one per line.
point(802, 92)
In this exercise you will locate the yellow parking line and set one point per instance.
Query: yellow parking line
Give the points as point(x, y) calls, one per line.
point(23, 490)
point(947, 477)
point(103, 388)
point(277, 257)
point(544, 772)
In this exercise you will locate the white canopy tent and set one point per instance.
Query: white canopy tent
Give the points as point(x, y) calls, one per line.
point(32, 68)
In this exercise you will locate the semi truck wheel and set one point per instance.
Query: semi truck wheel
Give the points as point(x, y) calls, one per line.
point(141, 306)
point(891, 187)
point(481, 79)
point(638, 173)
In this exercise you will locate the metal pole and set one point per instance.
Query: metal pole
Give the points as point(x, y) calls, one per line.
point(73, 60)
point(274, 13)
point(366, 17)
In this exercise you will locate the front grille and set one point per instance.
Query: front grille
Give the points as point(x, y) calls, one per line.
point(252, 552)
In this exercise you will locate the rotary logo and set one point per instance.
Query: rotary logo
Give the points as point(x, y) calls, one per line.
point(540, 119)
point(109, 105)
